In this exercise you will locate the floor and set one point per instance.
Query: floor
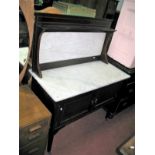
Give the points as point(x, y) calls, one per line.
point(93, 135)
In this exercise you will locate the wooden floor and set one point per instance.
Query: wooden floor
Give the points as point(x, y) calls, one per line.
point(93, 135)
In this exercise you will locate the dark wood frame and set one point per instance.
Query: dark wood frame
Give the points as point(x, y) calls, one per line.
point(59, 23)
point(126, 95)
point(130, 71)
point(69, 110)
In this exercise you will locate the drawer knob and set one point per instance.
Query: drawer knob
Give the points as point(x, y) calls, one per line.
point(34, 136)
point(35, 128)
point(94, 101)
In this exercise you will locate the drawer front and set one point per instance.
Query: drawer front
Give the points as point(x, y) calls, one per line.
point(33, 132)
point(106, 95)
point(36, 148)
point(84, 104)
point(76, 108)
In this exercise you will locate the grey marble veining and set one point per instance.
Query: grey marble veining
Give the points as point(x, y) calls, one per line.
point(66, 82)
point(57, 46)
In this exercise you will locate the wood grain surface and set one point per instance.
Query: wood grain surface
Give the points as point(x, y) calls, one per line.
point(31, 109)
point(27, 7)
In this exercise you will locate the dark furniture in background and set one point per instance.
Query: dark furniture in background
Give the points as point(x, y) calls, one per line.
point(45, 3)
point(104, 8)
point(23, 31)
point(110, 9)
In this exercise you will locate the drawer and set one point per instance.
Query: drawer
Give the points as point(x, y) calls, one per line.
point(35, 148)
point(106, 95)
point(33, 132)
point(86, 103)
point(77, 107)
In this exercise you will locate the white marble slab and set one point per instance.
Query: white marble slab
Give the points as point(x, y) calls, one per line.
point(57, 46)
point(66, 82)
point(23, 52)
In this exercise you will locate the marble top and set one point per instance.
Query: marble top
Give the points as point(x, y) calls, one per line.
point(59, 46)
point(66, 82)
